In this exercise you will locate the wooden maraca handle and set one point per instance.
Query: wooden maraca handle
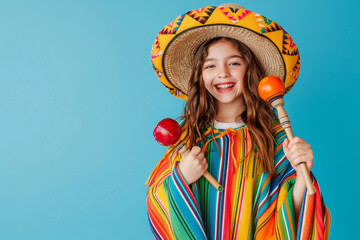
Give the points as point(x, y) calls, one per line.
point(184, 152)
point(285, 122)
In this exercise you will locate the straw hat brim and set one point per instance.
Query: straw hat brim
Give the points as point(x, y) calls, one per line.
point(174, 48)
point(179, 54)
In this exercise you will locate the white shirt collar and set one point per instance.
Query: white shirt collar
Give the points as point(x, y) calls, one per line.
point(222, 125)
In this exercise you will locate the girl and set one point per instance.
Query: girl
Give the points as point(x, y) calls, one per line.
point(231, 133)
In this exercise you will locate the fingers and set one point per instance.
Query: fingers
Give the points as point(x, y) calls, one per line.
point(194, 165)
point(201, 160)
point(297, 141)
point(195, 150)
point(306, 158)
point(298, 151)
point(198, 157)
point(197, 153)
point(295, 145)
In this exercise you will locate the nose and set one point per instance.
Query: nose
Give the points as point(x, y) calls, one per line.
point(223, 72)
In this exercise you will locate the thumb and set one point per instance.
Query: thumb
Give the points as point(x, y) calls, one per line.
point(286, 145)
point(195, 150)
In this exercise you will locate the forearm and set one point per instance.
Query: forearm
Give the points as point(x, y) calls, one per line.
point(298, 195)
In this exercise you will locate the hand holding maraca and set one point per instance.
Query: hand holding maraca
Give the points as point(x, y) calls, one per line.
point(272, 89)
point(298, 151)
point(193, 164)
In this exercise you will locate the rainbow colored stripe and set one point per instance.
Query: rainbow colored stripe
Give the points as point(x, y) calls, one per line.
point(252, 205)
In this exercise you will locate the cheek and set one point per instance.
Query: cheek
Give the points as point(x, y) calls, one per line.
point(241, 77)
point(207, 86)
point(207, 81)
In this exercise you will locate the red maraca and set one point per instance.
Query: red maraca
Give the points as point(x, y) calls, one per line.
point(167, 133)
point(272, 89)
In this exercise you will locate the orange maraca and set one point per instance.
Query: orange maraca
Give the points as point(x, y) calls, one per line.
point(271, 89)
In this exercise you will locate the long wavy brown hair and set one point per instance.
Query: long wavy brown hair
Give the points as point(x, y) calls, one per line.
point(201, 107)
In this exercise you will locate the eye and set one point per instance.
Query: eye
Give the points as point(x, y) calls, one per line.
point(235, 63)
point(209, 66)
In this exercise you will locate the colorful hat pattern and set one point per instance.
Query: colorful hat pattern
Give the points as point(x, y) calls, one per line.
point(176, 44)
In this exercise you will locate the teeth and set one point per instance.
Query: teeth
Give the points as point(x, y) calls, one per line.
point(224, 85)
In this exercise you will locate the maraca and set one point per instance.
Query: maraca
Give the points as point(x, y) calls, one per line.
point(272, 89)
point(167, 133)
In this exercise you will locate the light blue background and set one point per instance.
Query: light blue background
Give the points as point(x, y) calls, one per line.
point(79, 101)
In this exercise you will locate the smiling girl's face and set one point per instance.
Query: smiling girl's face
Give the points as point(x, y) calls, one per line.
point(223, 72)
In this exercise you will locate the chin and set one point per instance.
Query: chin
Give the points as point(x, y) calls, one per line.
point(223, 101)
point(228, 100)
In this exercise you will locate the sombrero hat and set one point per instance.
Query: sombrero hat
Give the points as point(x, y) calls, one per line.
point(175, 45)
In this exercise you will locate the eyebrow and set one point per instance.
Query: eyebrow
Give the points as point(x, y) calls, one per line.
point(232, 56)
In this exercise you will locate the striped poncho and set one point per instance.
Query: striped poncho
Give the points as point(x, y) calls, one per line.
point(253, 205)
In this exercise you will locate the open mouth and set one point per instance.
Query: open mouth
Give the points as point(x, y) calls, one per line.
point(224, 86)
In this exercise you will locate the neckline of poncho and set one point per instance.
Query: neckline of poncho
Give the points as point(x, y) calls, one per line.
point(223, 126)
